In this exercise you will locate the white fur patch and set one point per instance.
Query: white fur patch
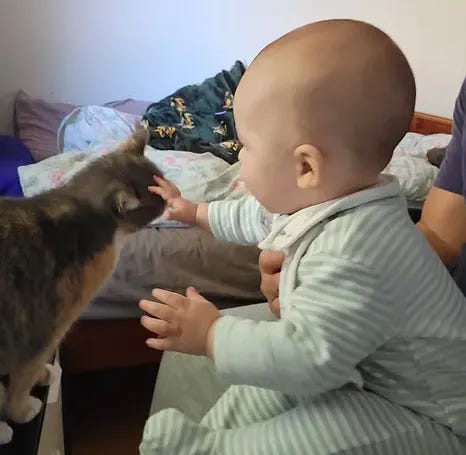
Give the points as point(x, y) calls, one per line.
point(27, 412)
point(6, 433)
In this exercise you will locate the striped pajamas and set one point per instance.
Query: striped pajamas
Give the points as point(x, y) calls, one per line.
point(342, 422)
point(368, 356)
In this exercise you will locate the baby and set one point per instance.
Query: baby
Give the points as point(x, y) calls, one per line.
point(369, 353)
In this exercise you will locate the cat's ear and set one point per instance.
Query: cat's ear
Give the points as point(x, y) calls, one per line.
point(125, 201)
point(137, 142)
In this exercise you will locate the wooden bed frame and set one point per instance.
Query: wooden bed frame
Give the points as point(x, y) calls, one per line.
point(99, 344)
point(430, 124)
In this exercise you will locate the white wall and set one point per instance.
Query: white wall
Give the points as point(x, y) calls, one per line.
point(92, 51)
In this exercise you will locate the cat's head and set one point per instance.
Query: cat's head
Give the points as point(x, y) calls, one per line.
point(118, 182)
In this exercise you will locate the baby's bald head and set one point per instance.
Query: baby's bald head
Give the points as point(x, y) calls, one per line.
point(343, 86)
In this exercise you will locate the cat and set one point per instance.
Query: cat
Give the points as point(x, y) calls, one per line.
point(57, 249)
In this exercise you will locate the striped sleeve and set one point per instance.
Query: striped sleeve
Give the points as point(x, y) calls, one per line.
point(336, 317)
point(242, 221)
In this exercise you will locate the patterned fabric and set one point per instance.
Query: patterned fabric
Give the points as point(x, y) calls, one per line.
point(367, 356)
point(198, 118)
point(201, 177)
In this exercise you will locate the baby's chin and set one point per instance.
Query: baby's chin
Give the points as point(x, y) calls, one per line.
point(285, 206)
point(277, 207)
point(278, 201)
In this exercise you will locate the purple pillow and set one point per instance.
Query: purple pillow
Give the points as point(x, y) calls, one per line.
point(13, 153)
point(37, 120)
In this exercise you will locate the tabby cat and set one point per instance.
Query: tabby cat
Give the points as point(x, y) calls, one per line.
point(56, 251)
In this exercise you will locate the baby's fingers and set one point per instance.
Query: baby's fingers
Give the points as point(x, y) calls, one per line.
point(162, 192)
point(161, 181)
point(166, 184)
point(160, 327)
point(159, 310)
point(162, 344)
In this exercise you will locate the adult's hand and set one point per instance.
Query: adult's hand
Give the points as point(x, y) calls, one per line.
point(443, 223)
point(270, 265)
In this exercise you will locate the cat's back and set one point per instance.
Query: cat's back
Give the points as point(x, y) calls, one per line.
point(46, 243)
point(21, 242)
point(24, 254)
point(27, 292)
point(18, 220)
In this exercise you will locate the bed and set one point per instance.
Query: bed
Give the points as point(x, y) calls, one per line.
point(108, 333)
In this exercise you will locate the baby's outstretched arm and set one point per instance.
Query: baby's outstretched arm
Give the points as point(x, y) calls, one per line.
point(186, 323)
point(179, 208)
point(243, 221)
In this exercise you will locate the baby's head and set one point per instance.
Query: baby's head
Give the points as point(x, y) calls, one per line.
point(319, 113)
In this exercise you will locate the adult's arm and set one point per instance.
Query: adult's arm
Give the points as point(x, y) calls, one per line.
point(443, 223)
point(443, 219)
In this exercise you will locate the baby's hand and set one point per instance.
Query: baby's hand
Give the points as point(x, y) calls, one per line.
point(184, 324)
point(179, 209)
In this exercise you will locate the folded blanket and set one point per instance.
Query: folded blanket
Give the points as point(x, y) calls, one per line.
point(198, 118)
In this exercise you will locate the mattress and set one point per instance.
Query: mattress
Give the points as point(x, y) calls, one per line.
point(173, 259)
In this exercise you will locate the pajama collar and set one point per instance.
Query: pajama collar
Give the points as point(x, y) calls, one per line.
point(287, 229)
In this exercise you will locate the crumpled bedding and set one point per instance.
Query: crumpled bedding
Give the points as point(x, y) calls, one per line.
point(410, 165)
point(92, 127)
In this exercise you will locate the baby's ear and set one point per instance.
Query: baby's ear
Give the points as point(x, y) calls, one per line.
point(136, 142)
point(125, 201)
point(309, 162)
